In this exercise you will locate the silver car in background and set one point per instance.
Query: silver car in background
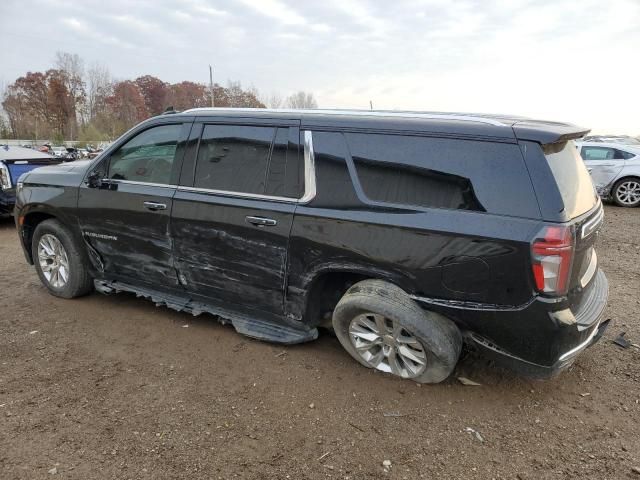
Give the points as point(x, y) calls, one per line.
point(615, 170)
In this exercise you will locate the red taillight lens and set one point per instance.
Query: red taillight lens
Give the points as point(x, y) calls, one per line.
point(552, 253)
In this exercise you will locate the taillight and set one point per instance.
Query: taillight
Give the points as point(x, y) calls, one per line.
point(5, 178)
point(552, 254)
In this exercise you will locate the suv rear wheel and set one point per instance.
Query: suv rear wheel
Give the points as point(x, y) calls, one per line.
point(626, 192)
point(59, 261)
point(383, 328)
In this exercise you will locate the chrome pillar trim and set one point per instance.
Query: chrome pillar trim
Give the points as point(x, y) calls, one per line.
point(309, 169)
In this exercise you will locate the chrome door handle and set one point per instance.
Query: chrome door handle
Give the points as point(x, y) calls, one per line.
point(154, 206)
point(261, 221)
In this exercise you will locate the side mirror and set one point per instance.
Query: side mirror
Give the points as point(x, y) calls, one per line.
point(94, 179)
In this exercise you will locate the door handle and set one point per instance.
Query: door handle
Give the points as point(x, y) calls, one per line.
point(154, 206)
point(261, 221)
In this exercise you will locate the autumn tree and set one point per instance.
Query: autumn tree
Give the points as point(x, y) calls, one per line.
point(125, 107)
point(154, 91)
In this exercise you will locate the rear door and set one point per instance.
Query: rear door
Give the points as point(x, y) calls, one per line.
point(124, 216)
point(233, 211)
point(604, 163)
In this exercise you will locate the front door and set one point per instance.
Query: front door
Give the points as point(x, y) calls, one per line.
point(125, 211)
point(233, 214)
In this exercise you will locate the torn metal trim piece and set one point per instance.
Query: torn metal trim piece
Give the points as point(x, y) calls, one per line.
point(260, 329)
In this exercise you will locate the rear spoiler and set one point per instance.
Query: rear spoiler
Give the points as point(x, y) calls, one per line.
point(547, 132)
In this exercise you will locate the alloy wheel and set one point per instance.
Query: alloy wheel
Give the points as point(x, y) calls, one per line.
point(628, 193)
point(53, 260)
point(387, 346)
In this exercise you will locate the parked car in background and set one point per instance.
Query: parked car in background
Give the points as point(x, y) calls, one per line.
point(407, 233)
point(58, 151)
point(620, 139)
point(615, 170)
point(14, 161)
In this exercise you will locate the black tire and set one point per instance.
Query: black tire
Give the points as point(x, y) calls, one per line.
point(439, 336)
point(614, 192)
point(79, 280)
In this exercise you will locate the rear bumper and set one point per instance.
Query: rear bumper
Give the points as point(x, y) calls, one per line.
point(576, 330)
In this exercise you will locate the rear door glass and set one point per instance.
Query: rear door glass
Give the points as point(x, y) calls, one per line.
point(234, 158)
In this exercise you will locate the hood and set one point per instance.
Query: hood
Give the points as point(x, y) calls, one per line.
point(63, 174)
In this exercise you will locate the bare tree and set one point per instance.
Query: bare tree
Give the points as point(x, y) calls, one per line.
point(99, 88)
point(274, 100)
point(302, 100)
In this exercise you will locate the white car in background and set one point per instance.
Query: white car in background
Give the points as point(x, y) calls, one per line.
point(615, 170)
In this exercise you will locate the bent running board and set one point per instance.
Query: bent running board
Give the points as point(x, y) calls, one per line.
point(260, 329)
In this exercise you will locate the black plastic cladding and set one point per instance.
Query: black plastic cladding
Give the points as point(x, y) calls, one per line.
point(474, 265)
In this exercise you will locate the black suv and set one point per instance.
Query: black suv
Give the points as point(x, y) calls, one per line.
point(408, 233)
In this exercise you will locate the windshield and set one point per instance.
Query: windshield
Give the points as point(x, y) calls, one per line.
point(572, 177)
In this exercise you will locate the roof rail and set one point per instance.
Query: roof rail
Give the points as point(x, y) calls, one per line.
point(364, 113)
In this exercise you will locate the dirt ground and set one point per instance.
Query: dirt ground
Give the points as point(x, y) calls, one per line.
point(113, 387)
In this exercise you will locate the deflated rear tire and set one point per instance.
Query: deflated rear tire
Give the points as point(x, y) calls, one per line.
point(383, 328)
point(59, 261)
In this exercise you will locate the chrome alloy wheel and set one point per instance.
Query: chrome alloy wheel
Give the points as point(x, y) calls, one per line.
point(53, 260)
point(387, 346)
point(628, 193)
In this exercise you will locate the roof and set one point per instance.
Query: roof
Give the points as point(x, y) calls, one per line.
point(20, 153)
point(466, 124)
point(619, 146)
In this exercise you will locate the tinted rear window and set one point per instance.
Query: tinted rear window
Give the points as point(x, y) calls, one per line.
point(443, 173)
point(572, 177)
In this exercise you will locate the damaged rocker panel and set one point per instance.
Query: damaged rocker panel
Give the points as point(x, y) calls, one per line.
point(260, 329)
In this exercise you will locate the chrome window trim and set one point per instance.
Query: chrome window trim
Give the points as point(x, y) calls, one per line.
point(226, 193)
point(309, 181)
point(146, 184)
point(309, 169)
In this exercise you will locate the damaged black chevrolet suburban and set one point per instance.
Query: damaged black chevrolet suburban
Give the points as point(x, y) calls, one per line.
point(409, 233)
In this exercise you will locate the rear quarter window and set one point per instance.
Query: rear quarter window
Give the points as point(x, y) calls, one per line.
point(430, 172)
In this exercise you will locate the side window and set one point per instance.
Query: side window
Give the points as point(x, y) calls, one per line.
point(622, 155)
point(597, 153)
point(147, 157)
point(284, 178)
point(443, 173)
point(234, 158)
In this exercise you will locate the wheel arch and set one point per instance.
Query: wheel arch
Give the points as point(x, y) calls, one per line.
point(327, 285)
point(28, 221)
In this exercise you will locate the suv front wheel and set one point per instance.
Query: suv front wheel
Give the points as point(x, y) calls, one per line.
point(384, 329)
point(59, 261)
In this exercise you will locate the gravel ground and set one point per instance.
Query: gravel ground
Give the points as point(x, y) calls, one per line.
point(113, 387)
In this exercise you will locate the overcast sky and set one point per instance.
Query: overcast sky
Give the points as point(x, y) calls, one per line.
point(568, 60)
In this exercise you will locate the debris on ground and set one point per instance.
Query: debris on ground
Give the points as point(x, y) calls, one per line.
point(186, 325)
point(386, 464)
point(466, 381)
point(53, 471)
point(32, 332)
point(284, 352)
point(312, 405)
point(475, 433)
point(621, 341)
point(323, 456)
point(585, 394)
